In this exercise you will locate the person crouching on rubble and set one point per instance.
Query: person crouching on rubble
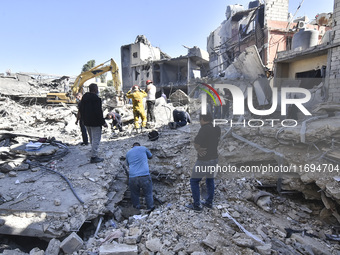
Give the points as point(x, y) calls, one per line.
point(139, 175)
point(137, 95)
point(205, 143)
point(181, 118)
point(92, 115)
point(116, 120)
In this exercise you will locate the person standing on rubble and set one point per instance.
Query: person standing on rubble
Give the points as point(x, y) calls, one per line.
point(92, 115)
point(80, 121)
point(205, 143)
point(139, 175)
point(222, 111)
point(66, 85)
point(150, 101)
point(137, 95)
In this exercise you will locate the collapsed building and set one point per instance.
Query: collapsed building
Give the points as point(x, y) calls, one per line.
point(54, 194)
point(141, 62)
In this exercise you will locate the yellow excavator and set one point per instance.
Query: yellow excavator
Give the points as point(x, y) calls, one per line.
point(69, 98)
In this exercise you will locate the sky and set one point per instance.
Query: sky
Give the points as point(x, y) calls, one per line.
point(60, 36)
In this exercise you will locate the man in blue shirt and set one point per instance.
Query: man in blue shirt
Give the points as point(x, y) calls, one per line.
point(139, 175)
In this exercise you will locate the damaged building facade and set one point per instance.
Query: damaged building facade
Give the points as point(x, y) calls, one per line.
point(141, 62)
point(269, 26)
point(284, 51)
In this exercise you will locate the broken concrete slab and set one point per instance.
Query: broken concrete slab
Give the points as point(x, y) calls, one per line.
point(10, 86)
point(179, 98)
point(154, 244)
point(53, 247)
point(118, 249)
point(14, 252)
point(32, 210)
point(247, 66)
point(316, 246)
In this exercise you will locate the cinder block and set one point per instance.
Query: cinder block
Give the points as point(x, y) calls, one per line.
point(118, 249)
point(53, 247)
point(71, 243)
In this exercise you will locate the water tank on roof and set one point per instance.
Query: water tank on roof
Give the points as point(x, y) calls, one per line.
point(305, 39)
point(232, 9)
point(327, 37)
point(253, 4)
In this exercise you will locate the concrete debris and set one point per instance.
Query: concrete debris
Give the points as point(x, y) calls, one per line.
point(118, 249)
point(53, 247)
point(179, 98)
point(154, 244)
point(263, 200)
point(248, 66)
point(71, 243)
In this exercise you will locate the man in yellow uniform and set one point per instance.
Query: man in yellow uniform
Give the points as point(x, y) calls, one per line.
point(137, 95)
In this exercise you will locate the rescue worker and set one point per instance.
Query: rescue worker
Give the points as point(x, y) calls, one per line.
point(139, 175)
point(116, 120)
point(150, 101)
point(137, 95)
point(181, 117)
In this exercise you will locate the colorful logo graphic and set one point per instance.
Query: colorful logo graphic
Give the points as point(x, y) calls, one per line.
point(204, 96)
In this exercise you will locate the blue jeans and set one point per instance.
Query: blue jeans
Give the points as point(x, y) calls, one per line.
point(196, 177)
point(144, 183)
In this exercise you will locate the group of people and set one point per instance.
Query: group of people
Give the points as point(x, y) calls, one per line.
point(91, 119)
point(205, 143)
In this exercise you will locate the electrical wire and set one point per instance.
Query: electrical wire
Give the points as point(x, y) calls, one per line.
point(62, 151)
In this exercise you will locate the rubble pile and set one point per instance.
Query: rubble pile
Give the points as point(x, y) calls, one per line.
point(249, 216)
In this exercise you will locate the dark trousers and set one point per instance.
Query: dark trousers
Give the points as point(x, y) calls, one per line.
point(144, 183)
point(179, 118)
point(83, 132)
point(117, 122)
point(150, 115)
point(222, 112)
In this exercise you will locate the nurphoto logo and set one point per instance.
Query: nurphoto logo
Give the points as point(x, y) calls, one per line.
point(238, 104)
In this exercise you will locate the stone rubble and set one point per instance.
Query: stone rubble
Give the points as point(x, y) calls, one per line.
point(275, 222)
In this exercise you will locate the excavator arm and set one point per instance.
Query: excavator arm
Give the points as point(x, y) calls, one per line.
point(85, 76)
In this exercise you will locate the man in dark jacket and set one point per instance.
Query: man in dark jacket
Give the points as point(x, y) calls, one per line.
point(205, 143)
point(80, 121)
point(181, 117)
point(92, 115)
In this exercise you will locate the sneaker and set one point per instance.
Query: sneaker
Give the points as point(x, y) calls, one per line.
point(84, 144)
point(150, 210)
point(194, 207)
point(208, 205)
point(96, 160)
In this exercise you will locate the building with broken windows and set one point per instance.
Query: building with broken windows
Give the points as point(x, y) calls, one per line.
point(266, 46)
point(141, 62)
point(268, 26)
